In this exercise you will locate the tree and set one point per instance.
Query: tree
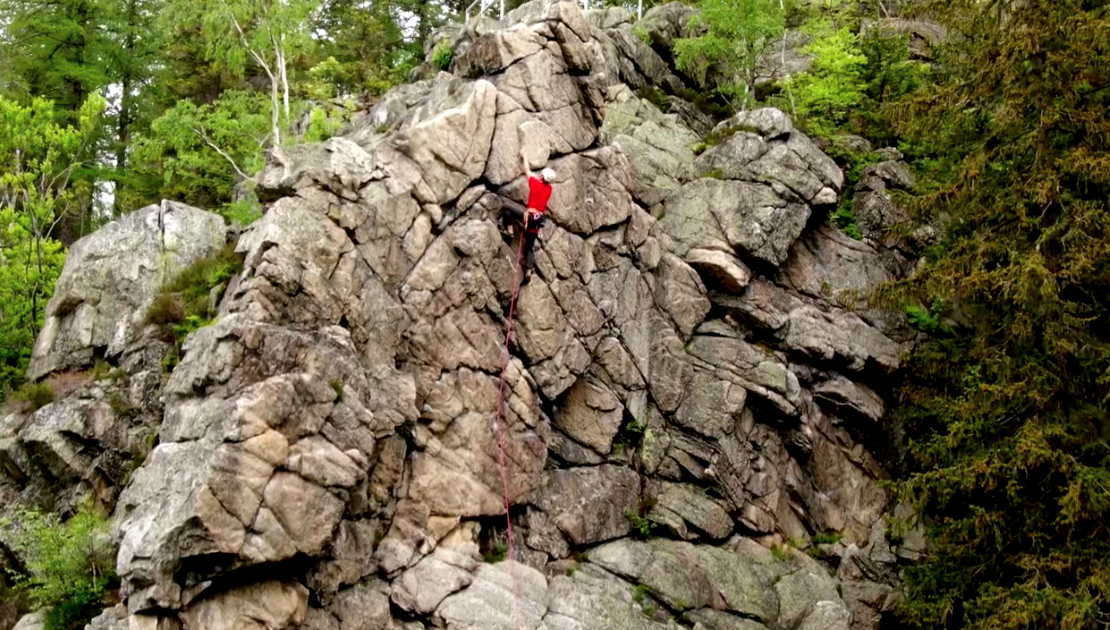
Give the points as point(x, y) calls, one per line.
point(1007, 413)
point(825, 95)
point(38, 157)
point(736, 33)
point(271, 33)
point(365, 45)
point(203, 152)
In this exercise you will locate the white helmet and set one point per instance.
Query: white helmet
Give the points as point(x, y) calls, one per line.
point(548, 175)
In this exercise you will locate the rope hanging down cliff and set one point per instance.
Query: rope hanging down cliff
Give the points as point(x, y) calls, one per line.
point(499, 423)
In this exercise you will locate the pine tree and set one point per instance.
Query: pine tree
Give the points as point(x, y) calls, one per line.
point(1008, 412)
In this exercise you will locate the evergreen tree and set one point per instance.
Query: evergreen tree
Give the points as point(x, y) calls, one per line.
point(37, 160)
point(1008, 411)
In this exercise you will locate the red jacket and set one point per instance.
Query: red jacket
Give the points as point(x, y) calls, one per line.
point(539, 192)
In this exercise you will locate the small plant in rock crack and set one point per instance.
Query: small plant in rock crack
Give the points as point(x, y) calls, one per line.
point(779, 552)
point(639, 593)
point(641, 525)
point(828, 538)
point(496, 553)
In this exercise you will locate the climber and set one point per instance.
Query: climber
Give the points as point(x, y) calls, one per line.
point(534, 216)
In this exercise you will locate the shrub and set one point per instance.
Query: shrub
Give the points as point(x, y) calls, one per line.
point(640, 524)
point(185, 302)
point(443, 56)
point(34, 396)
point(69, 565)
point(496, 553)
point(829, 538)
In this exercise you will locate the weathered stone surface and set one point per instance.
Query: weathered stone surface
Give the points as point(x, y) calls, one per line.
point(592, 190)
point(709, 619)
point(686, 577)
point(591, 414)
point(683, 507)
point(31, 621)
point(489, 604)
point(270, 605)
point(841, 393)
point(589, 504)
point(828, 264)
point(680, 293)
point(114, 271)
point(456, 473)
point(338, 165)
point(828, 336)
point(211, 486)
point(364, 606)
point(727, 215)
point(659, 147)
point(423, 587)
point(719, 270)
point(593, 600)
point(450, 145)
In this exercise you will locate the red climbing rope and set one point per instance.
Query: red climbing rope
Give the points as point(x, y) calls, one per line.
point(501, 416)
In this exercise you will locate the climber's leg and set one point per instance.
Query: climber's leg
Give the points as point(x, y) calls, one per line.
point(511, 212)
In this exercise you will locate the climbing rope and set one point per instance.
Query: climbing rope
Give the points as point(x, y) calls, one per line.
point(518, 277)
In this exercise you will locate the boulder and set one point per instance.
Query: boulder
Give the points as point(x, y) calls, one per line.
point(498, 600)
point(115, 271)
point(271, 604)
point(748, 218)
point(590, 505)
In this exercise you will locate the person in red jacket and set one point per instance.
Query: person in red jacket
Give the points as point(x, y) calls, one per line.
point(534, 216)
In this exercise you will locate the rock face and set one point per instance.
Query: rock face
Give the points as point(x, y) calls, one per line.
point(112, 272)
point(690, 361)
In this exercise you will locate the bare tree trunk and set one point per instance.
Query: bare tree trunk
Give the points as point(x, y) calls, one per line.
point(280, 54)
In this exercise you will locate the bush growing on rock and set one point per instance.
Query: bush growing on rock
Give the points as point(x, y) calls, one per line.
point(69, 566)
point(188, 301)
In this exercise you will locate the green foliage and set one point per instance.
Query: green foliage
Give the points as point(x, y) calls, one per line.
point(202, 152)
point(70, 565)
point(639, 31)
point(324, 123)
point(120, 405)
point(337, 386)
point(736, 33)
point(37, 159)
point(641, 525)
point(828, 538)
point(639, 593)
point(34, 395)
point(844, 218)
point(889, 76)
point(242, 212)
point(187, 302)
point(443, 55)
point(779, 552)
point(1007, 416)
point(496, 553)
point(927, 320)
point(823, 97)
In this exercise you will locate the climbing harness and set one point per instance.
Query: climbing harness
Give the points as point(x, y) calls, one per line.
point(517, 278)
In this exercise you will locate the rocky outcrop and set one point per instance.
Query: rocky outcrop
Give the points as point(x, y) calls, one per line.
point(690, 362)
point(112, 272)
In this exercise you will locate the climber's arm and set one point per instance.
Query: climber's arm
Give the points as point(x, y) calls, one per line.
point(524, 165)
